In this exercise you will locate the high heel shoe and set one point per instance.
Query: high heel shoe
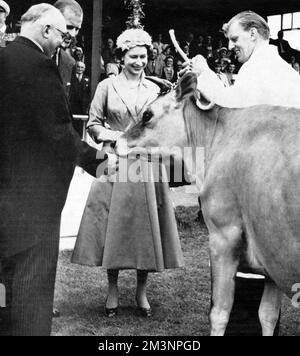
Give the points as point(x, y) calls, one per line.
point(110, 312)
point(145, 312)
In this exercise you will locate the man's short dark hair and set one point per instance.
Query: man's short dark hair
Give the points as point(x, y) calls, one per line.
point(72, 5)
point(249, 19)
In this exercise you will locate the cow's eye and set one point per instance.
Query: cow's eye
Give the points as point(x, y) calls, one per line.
point(147, 116)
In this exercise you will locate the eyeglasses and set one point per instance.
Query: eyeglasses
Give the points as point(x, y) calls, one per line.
point(71, 27)
point(2, 10)
point(64, 35)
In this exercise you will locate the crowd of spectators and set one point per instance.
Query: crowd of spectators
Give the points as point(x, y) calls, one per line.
point(164, 62)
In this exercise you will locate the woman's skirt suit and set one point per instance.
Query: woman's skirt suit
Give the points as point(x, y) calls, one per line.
point(127, 225)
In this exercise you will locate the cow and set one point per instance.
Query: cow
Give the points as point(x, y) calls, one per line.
point(250, 194)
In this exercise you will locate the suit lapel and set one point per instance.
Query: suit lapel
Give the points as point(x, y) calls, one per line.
point(120, 85)
point(146, 96)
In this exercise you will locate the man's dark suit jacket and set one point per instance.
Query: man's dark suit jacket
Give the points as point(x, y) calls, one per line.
point(80, 95)
point(285, 46)
point(158, 67)
point(38, 147)
point(66, 68)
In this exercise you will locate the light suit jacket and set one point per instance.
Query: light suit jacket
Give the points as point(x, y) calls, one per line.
point(264, 79)
point(112, 105)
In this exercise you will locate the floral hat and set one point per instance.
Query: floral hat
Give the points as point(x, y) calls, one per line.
point(134, 37)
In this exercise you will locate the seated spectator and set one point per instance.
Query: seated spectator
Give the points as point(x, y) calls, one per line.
point(222, 76)
point(155, 64)
point(209, 52)
point(190, 43)
point(168, 51)
point(209, 43)
point(178, 67)
point(78, 54)
point(231, 56)
point(108, 52)
point(159, 45)
point(80, 92)
point(169, 71)
point(199, 46)
point(219, 47)
point(224, 64)
point(222, 56)
point(114, 68)
point(230, 73)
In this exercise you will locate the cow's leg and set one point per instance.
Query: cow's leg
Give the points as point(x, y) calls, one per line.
point(224, 255)
point(269, 308)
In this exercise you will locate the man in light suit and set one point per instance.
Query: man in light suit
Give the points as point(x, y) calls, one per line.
point(39, 150)
point(4, 12)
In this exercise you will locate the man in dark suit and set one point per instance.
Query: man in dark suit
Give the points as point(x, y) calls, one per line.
point(190, 42)
point(38, 153)
point(155, 64)
point(4, 12)
point(284, 49)
point(80, 95)
point(73, 15)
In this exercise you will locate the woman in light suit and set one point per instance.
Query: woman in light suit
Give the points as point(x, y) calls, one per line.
point(127, 225)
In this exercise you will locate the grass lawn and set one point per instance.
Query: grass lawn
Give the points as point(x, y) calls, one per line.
point(180, 298)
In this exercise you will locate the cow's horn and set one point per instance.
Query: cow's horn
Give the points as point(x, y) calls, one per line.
point(164, 85)
point(204, 107)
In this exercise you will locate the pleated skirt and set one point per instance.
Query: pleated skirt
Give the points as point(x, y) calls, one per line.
point(130, 225)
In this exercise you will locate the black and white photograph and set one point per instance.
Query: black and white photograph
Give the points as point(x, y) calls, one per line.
point(150, 170)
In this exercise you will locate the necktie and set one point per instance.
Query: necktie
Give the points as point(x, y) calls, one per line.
point(153, 66)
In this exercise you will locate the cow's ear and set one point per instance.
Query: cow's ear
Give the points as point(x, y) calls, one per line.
point(164, 85)
point(186, 87)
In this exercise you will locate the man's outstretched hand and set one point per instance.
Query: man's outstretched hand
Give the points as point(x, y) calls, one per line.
point(196, 65)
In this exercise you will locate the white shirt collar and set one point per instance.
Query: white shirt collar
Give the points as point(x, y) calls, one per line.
point(262, 52)
point(3, 28)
